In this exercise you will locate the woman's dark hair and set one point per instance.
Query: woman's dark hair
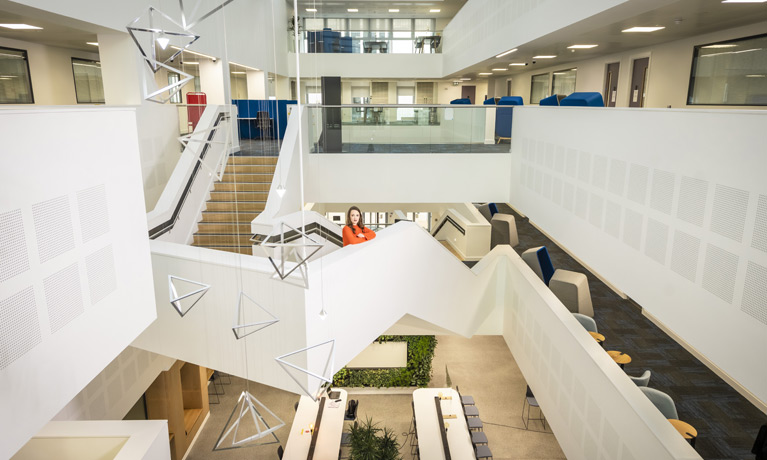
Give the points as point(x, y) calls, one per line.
point(360, 224)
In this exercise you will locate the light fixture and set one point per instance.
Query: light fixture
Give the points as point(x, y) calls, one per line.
point(163, 41)
point(92, 43)
point(718, 46)
point(323, 313)
point(498, 70)
point(581, 47)
point(744, 1)
point(242, 65)
point(238, 73)
point(352, 10)
point(281, 191)
point(465, 79)
point(506, 52)
point(190, 63)
point(643, 29)
point(544, 56)
point(485, 73)
point(434, 10)
point(518, 63)
point(393, 10)
point(20, 27)
point(311, 10)
point(756, 76)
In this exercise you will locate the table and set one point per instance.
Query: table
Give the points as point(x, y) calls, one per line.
point(598, 337)
point(433, 41)
point(429, 436)
point(331, 429)
point(382, 47)
point(687, 431)
point(619, 357)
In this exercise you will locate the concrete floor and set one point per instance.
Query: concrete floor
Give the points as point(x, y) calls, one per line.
point(481, 366)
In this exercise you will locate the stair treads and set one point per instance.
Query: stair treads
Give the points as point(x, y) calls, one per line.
point(222, 240)
point(248, 178)
point(233, 206)
point(250, 169)
point(242, 160)
point(239, 217)
point(238, 196)
point(217, 228)
point(241, 187)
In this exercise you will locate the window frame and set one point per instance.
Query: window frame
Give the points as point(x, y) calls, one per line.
point(74, 78)
point(29, 76)
point(695, 55)
point(548, 86)
point(553, 75)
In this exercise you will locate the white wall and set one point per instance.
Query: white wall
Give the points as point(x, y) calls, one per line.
point(355, 65)
point(674, 217)
point(50, 69)
point(76, 288)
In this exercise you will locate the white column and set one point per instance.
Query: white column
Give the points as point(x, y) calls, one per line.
point(212, 81)
point(121, 69)
point(256, 84)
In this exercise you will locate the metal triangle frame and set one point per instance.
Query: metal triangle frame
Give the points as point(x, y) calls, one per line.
point(203, 17)
point(175, 299)
point(282, 245)
point(247, 404)
point(154, 64)
point(236, 327)
point(329, 363)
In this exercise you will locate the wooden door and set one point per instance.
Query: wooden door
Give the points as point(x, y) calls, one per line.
point(470, 92)
point(639, 82)
point(611, 84)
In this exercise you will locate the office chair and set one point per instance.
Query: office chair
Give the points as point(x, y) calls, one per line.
point(264, 123)
point(662, 401)
point(531, 402)
point(351, 411)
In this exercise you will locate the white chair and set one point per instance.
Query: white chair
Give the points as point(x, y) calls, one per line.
point(572, 288)
point(503, 230)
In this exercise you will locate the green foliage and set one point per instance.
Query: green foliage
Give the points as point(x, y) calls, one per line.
point(420, 352)
point(369, 442)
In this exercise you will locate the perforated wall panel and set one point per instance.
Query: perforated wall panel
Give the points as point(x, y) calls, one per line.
point(599, 174)
point(571, 167)
point(632, 228)
point(63, 296)
point(19, 326)
point(559, 159)
point(53, 227)
point(613, 219)
point(568, 196)
point(556, 191)
point(637, 189)
point(662, 194)
point(582, 203)
point(101, 273)
point(684, 255)
point(595, 210)
point(754, 300)
point(13, 246)
point(617, 181)
point(549, 156)
point(759, 240)
point(94, 215)
point(584, 167)
point(693, 194)
point(547, 185)
point(728, 218)
point(656, 241)
point(719, 272)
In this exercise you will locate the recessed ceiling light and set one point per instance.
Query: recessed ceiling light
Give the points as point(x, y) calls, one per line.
point(191, 52)
point(92, 43)
point(485, 73)
point(498, 70)
point(19, 26)
point(393, 10)
point(756, 76)
point(434, 10)
point(311, 10)
point(190, 63)
point(352, 10)
point(643, 29)
point(505, 53)
point(744, 1)
point(239, 73)
point(544, 56)
point(581, 47)
point(518, 63)
point(465, 79)
point(718, 46)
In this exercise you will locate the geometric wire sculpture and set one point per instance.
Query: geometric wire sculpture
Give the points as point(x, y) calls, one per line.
point(324, 376)
point(175, 298)
point(201, 18)
point(201, 139)
point(247, 405)
point(241, 327)
point(296, 252)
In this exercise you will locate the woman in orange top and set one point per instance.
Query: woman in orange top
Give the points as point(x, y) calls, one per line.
point(355, 231)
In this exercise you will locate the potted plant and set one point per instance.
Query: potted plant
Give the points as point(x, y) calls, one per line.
point(369, 442)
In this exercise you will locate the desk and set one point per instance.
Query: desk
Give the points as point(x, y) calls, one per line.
point(331, 429)
point(598, 337)
point(382, 47)
point(429, 436)
point(687, 431)
point(619, 357)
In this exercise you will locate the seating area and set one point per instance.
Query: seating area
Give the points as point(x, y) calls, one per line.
point(329, 41)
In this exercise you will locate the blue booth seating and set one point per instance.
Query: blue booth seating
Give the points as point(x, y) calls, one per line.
point(538, 259)
point(489, 101)
point(554, 99)
point(464, 100)
point(583, 100)
point(503, 117)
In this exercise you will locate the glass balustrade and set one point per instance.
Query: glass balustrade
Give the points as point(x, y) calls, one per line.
point(354, 41)
point(404, 129)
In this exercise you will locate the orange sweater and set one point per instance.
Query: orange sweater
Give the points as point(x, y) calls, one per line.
point(350, 236)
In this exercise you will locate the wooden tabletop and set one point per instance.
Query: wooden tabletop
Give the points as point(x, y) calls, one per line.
point(597, 336)
point(684, 428)
point(619, 357)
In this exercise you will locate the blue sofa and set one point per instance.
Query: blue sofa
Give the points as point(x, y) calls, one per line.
point(503, 116)
point(590, 99)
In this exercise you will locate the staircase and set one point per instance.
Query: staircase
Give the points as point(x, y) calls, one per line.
point(234, 202)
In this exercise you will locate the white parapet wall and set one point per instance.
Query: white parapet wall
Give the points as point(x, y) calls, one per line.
point(669, 206)
point(465, 230)
point(75, 274)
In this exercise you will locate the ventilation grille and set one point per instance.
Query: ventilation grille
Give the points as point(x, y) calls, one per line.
point(572, 163)
point(599, 175)
point(63, 295)
point(656, 242)
point(637, 191)
point(19, 326)
point(595, 210)
point(632, 228)
point(94, 215)
point(13, 247)
point(662, 194)
point(613, 219)
point(101, 273)
point(693, 194)
point(584, 167)
point(728, 217)
point(684, 255)
point(754, 300)
point(759, 240)
point(719, 272)
point(53, 228)
point(617, 181)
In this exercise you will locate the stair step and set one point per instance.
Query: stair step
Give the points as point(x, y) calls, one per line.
point(237, 249)
point(239, 187)
point(222, 240)
point(250, 169)
point(238, 196)
point(247, 178)
point(230, 217)
point(235, 206)
point(239, 160)
point(222, 227)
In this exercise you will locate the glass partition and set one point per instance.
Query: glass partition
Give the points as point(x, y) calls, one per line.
point(15, 85)
point(404, 128)
point(375, 35)
point(89, 87)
